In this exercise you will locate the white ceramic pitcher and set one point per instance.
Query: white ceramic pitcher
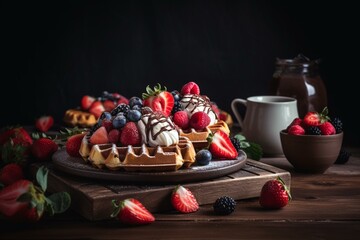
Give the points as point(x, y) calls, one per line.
point(265, 117)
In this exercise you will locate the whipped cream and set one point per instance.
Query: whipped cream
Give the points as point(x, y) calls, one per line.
point(193, 103)
point(157, 130)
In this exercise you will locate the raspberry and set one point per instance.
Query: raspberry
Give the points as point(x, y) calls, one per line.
point(181, 119)
point(327, 128)
point(296, 130)
point(190, 88)
point(199, 120)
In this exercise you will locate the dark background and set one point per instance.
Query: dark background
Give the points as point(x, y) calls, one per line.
point(55, 52)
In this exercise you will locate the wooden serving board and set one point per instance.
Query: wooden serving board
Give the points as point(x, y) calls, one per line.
point(92, 198)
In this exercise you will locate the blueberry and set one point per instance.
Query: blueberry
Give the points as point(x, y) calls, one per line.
point(119, 121)
point(136, 107)
point(135, 101)
point(203, 157)
point(176, 95)
point(133, 115)
point(105, 115)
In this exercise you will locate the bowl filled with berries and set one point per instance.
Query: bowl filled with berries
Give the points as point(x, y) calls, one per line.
point(313, 143)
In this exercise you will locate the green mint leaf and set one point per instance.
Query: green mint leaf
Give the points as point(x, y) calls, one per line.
point(240, 137)
point(254, 152)
point(49, 208)
point(41, 177)
point(59, 202)
point(244, 144)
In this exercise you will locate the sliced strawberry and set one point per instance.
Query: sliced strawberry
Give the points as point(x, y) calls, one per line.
point(221, 146)
point(312, 119)
point(109, 105)
point(44, 123)
point(190, 88)
point(97, 108)
point(86, 102)
point(159, 100)
point(100, 136)
point(43, 148)
point(183, 200)
point(9, 205)
point(131, 211)
point(73, 144)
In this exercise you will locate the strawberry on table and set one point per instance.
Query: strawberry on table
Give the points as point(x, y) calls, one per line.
point(10, 173)
point(43, 148)
point(183, 200)
point(274, 194)
point(131, 211)
point(159, 99)
point(44, 123)
point(221, 146)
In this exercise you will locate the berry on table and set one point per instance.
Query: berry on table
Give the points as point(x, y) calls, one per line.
point(343, 156)
point(224, 205)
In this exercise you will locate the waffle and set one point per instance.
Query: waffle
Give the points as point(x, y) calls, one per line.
point(199, 138)
point(74, 117)
point(142, 158)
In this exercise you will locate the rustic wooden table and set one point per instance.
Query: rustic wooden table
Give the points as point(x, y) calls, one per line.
point(324, 206)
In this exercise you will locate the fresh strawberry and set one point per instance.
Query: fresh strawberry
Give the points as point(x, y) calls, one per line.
point(190, 88)
point(114, 136)
point(159, 99)
point(130, 135)
point(274, 194)
point(109, 105)
point(73, 144)
point(327, 128)
point(183, 200)
point(10, 173)
point(9, 206)
point(86, 102)
point(97, 108)
point(131, 211)
point(43, 148)
point(25, 202)
point(18, 135)
point(181, 119)
point(296, 130)
point(44, 123)
point(199, 121)
point(221, 146)
point(315, 118)
point(100, 136)
point(120, 99)
point(296, 121)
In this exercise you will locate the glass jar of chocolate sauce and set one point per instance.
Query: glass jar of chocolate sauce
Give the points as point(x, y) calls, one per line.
point(300, 78)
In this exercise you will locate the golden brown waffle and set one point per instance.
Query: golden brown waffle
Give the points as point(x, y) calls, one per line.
point(142, 158)
point(199, 138)
point(74, 117)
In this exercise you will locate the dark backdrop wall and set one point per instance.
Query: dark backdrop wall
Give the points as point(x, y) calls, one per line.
point(56, 51)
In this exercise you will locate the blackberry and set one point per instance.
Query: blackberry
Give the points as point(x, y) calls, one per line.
point(122, 107)
point(177, 107)
point(313, 130)
point(224, 205)
point(236, 143)
point(336, 122)
point(343, 157)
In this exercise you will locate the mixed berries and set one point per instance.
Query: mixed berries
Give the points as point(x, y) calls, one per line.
point(224, 205)
point(314, 123)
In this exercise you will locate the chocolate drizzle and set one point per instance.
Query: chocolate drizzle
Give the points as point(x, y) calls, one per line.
point(197, 101)
point(154, 119)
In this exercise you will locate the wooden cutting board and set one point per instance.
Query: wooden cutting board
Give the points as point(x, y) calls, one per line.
point(92, 198)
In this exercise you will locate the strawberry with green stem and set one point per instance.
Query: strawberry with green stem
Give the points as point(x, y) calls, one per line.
point(26, 202)
point(159, 99)
point(274, 194)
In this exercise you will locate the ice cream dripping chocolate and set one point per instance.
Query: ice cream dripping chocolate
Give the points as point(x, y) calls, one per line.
point(158, 130)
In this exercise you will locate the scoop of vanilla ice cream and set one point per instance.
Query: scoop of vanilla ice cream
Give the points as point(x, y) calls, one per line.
point(157, 130)
point(193, 103)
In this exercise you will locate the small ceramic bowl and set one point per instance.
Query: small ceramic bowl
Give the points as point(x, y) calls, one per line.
point(311, 153)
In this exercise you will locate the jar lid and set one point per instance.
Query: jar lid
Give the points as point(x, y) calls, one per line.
point(299, 60)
